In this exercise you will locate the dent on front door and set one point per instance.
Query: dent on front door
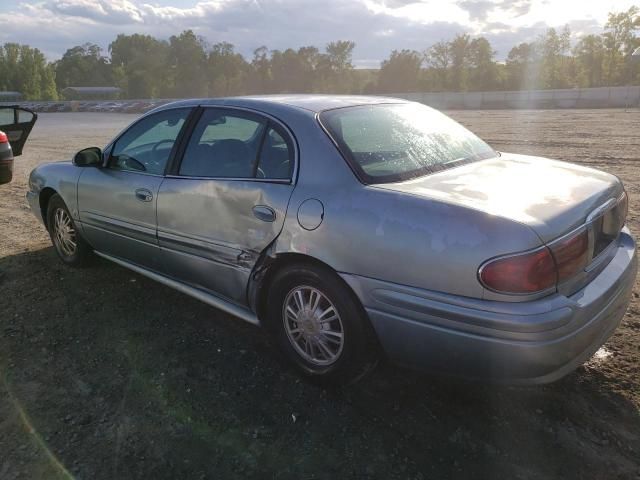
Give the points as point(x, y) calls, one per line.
point(212, 232)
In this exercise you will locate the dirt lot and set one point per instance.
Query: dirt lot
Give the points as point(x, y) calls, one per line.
point(105, 374)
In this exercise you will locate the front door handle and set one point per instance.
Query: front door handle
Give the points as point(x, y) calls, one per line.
point(264, 213)
point(144, 195)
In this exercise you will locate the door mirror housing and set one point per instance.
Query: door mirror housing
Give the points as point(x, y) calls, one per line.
point(88, 157)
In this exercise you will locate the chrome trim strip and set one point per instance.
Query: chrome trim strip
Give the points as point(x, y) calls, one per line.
point(199, 247)
point(283, 181)
point(119, 227)
point(209, 299)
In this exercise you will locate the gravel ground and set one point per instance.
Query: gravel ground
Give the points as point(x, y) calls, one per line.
point(105, 374)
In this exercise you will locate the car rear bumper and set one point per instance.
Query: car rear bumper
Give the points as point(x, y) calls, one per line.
point(6, 170)
point(521, 342)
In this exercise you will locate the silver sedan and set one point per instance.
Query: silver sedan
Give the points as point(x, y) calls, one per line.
point(353, 228)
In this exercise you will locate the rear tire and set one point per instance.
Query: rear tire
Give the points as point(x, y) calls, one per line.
point(67, 241)
point(319, 325)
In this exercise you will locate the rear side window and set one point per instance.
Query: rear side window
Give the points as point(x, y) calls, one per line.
point(223, 145)
point(276, 156)
point(235, 144)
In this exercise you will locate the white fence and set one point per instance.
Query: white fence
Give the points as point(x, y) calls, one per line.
point(602, 97)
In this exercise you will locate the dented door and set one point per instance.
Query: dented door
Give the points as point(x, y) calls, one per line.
point(212, 232)
point(226, 201)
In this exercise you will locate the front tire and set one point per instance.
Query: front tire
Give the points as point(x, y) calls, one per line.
point(319, 325)
point(72, 249)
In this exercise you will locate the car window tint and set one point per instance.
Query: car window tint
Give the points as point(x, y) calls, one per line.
point(7, 116)
point(146, 146)
point(24, 116)
point(223, 145)
point(276, 157)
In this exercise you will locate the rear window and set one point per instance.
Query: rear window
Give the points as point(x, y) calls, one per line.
point(393, 142)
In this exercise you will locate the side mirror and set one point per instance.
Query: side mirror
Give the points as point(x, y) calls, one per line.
point(89, 157)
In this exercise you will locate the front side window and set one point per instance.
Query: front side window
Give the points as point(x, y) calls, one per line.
point(394, 142)
point(147, 145)
point(224, 145)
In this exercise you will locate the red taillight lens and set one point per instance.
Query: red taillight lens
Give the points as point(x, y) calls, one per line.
point(520, 274)
point(571, 254)
point(3, 138)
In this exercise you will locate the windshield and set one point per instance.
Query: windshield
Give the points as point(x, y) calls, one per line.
point(393, 142)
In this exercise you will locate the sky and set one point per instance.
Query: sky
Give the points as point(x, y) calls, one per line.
point(376, 26)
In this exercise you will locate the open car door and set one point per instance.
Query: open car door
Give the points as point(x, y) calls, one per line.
point(16, 122)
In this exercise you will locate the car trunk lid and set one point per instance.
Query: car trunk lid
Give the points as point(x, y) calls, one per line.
point(551, 197)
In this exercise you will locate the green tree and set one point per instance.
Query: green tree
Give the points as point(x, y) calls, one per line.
point(619, 41)
point(334, 68)
point(483, 73)
point(227, 70)
point(522, 67)
point(400, 72)
point(187, 64)
point(293, 71)
point(25, 69)
point(260, 81)
point(459, 49)
point(589, 55)
point(438, 58)
point(553, 65)
point(140, 65)
point(83, 66)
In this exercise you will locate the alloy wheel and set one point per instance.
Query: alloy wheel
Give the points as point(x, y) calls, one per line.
point(313, 325)
point(64, 233)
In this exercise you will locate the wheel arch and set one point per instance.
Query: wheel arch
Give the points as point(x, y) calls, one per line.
point(44, 197)
point(271, 265)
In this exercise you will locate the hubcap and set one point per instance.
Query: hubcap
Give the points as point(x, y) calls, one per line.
point(313, 325)
point(64, 233)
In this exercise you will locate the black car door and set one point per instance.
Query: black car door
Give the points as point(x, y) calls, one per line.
point(17, 123)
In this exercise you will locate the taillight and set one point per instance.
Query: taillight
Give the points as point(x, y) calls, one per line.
point(571, 254)
point(3, 138)
point(521, 273)
point(546, 267)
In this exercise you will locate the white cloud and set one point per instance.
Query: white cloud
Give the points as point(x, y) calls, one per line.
point(377, 26)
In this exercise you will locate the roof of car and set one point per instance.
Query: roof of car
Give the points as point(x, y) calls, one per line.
point(93, 89)
point(311, 102)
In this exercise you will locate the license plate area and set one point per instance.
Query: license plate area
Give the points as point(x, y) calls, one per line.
point(605, 228)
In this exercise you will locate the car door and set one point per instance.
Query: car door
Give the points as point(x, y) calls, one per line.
point(117, 203)
point(226, 201)
point(17, 123)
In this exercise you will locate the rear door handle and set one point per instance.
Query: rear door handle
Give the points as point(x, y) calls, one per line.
point(144, 195)
point(264, 213)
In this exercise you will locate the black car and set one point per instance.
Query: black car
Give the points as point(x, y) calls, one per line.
point(15, 126)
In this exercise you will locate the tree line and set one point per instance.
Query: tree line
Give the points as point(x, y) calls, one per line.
point(187, 66)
